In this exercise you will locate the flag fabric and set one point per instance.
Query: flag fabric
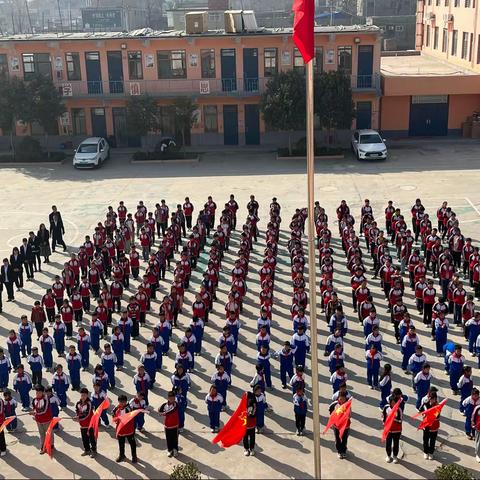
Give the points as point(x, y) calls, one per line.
point(339, 418)
point(430, 415)
point(47, 445)
point(6, 422)
point(95, 420)
point(234, 430)
point(124, 419)
point(389, 421)
point(303, 25)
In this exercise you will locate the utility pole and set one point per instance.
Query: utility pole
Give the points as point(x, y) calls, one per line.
point(60, 16)
point(28, 16)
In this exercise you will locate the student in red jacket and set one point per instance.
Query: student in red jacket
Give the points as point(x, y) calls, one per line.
point(169, 411)
point(42, 412)
point(84, 413)
point(128, 431)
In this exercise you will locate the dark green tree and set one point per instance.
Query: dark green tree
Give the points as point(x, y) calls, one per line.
point(142, 115)
point(334, 105)
point(283, 103)
point(46, 105)
point(14, 106)
point(185, 111)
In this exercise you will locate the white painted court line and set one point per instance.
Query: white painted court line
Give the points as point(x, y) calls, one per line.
point(472, 205)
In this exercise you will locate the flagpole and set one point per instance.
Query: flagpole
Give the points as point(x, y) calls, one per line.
point(312, 272)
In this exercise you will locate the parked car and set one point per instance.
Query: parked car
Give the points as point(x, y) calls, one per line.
point(91, 153)
point(368, 145)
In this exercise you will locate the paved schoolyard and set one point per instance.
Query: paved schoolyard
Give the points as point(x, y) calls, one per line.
point(434, 172)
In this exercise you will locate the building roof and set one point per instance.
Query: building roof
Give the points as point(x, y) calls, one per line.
point(149, 33)
point(420, 66)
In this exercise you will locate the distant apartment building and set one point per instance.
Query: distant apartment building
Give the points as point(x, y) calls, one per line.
point(224, 73)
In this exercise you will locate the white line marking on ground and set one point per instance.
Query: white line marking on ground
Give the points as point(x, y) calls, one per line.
point(472, 205)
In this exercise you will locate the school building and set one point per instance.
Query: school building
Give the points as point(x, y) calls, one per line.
point(437, 90)
point(224, 73)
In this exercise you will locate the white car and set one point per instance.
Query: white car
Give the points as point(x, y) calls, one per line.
point(368, 145)
point(91, 153)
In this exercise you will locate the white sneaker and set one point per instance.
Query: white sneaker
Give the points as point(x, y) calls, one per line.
point(430, 457)
point(388, 459)
point(246, 453)
point(477, 458)
point(395, 459)
point(425, 456)
point(2, 454)
point(170, 454)
point(252, 453)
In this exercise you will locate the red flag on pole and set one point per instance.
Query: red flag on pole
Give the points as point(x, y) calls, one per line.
point(303, 24)
point(339, 418)
point(6, 422)
point(389, 421)
point(124, 419)
point(234, 430)
point(430, 415)
point(95, 420)
point(47, 445)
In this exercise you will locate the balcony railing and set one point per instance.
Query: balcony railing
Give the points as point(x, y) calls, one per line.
point(196, 87)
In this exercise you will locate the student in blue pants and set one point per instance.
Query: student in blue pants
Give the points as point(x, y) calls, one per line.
point(59, 336)
point(214, 401)
point(10, 406)
point(101, 377)
point(469, 405)
point(455, 364)
point(60, 384)
point(25, 330)
point(96, 331)
point(149, 361)
point(421, 384)
point(286, 356)
point(261, 407)
point(221, 380)
point(385, 385)
point(117, 343)
point(165, 328)
point(373, 357)
point(301, 343)
point(441, 332)
point(83, 345)
point(409, 343)
point(22, 384)
point(126, 325)
point(181, 379)
point(46, 344)
point(182, 406)
point(473, 328)
point(158, 343)
point(138, 403)
point(197, 326)
point(142, 382)
point(5, 370)
point(263, 358)
point(109, 362)
point(54, 404)
point(98, 396)
point(14, 345)
point(465, 385)
point(74, 365)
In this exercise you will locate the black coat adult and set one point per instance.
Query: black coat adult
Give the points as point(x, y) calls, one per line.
point(7, 278)
point(57, 230)
point(26, 252)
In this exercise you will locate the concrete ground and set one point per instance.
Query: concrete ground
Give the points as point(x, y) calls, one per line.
point(429, 170)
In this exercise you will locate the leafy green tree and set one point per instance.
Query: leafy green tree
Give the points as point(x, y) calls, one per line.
point(283, 103)
point(46, 105)
point(142, 115)
point(14, 106)
point(185, 111)
point(334, 105)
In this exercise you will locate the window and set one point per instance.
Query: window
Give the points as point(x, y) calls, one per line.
point(345, 59)
point(78, 121)
point(427, 36)
point(454, 42)
point(318, 60)
point(298, 63)
point(464, 45)
point(470, 49)
point(73, 66)
point(135, 69)
point(210, 118)
point(36, 64)
point(167, 120)
point(467, 3)
point(172, 64)
point(3, 64)
point(270, 62)
point(207, 58)
point(456, 3)
point(435, 38)
point(444, 40)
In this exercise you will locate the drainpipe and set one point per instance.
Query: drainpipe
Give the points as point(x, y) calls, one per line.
point(475, 21)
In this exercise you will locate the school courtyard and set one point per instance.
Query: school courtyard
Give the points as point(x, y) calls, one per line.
point(433, 171)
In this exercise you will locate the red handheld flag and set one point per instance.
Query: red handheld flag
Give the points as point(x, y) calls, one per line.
point(124, 419)
point(6, 422)
point(303, 26)
point(430, 415)
point(47, 445)
point(389, 421)
point(95, 420)
point(339, 418)
point(234, 430)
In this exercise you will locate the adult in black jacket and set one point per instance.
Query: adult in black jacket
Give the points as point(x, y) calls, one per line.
point(57, 230)
point(7, 277)
point(43, 236)
point(34, 243)
point(28, 258)
point(16, 262)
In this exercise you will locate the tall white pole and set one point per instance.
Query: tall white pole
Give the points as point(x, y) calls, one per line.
point(311, 271)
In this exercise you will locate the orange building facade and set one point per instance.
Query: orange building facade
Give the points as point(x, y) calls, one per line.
point(225, 74)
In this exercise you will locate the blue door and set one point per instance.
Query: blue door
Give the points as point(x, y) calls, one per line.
point(115, 72)
point(229, 69)
point(252, 125)
point(429, 116)
point(250, 69)
point(99, 123)
point(94, 73)
point(230, 124)
point(364, 115)
point(365, 66)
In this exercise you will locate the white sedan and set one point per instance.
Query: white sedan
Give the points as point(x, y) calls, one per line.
point(91, 153)
point(368, 145)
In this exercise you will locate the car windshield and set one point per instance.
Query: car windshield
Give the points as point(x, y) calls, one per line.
point(370, 138)
point(87, 148)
